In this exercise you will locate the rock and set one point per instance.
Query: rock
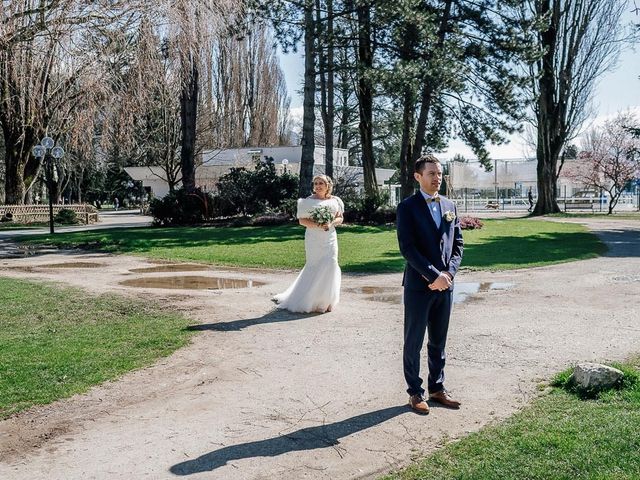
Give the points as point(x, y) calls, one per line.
point(594, 377)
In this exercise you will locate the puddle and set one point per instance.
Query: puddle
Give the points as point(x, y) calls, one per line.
point(35, 268)
point(71, 265)
point(393, 299)
point(464, 290)
point(11, 252)
point(190, 282)
point(369, 290)
point(461, 292)
point(185, 267)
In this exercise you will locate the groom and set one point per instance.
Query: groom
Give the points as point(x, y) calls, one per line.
point(430, 240)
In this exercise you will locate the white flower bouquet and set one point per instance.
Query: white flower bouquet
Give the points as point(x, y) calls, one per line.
point(321, 215)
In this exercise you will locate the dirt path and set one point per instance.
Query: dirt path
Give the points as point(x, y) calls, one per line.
point(261, 394)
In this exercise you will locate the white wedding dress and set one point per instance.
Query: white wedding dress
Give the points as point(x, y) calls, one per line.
point(317, 287)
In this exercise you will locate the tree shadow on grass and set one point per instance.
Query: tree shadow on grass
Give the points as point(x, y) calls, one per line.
point(311, 438)
point(275, 316)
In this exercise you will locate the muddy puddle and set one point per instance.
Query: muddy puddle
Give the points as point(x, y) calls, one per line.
point(462, 291)
point(70, 265)
point(186, 267)
point(191, 282)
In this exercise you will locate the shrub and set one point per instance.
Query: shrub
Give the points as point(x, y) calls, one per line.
point(289, 207)
point(248, 192)
point(270, 220)
point(369, 209)
point(470, 223)
point(182, 208)
point(66, 216)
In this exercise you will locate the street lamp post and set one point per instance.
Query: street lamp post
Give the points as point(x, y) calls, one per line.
point(285, 162)
point(47, 151)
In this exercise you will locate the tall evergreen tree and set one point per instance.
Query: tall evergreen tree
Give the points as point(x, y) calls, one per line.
point(450, 65)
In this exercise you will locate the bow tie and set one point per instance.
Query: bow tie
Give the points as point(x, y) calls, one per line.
point(433, 199)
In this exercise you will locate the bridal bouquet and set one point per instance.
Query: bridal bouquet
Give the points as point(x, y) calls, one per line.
point(321, 215)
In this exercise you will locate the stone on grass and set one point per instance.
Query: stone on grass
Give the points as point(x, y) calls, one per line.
point(595, 377)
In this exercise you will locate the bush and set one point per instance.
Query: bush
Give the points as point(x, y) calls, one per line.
point(270, 220)
point(470, 223)
point(289, 207)
point(66, 217)
point(182, 208)
point(369, 209)
point(249, 192)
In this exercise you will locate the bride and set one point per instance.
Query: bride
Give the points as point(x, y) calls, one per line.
point(317, 288)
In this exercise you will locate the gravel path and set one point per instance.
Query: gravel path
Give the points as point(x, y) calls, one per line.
point(262, 394)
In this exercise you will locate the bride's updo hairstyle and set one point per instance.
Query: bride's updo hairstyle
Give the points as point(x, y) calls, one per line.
point(327, 180)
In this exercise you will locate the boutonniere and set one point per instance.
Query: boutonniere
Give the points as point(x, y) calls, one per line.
point(449, 216)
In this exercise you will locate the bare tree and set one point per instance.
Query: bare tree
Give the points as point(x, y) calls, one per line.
point(580, 41)
point(610, 158)
point(249, 104)
point(193, 27)
point(45, 69)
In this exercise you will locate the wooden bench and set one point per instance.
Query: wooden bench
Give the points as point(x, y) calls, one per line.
point(578, 206)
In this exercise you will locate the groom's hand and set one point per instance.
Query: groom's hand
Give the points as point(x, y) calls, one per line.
point(443, 282)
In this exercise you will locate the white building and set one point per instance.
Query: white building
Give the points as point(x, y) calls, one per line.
point(215, 163)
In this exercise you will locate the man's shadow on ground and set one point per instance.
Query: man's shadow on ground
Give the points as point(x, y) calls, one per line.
point(274, 316)
point(310, 438)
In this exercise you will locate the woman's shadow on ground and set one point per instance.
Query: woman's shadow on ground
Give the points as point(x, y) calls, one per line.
point(310, 438)
point(275, 316)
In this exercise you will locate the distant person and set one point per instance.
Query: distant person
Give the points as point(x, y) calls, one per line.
point(530, 198)
point(116, 203)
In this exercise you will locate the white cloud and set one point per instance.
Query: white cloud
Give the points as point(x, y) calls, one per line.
point(601, 119)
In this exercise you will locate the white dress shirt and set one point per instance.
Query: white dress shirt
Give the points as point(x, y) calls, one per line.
point(434, 208)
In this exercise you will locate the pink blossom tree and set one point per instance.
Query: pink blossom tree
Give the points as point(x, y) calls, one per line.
point(610, 157)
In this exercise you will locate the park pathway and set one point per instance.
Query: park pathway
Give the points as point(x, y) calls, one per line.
point(262, 394)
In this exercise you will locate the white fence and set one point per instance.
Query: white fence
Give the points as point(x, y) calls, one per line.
point(627, 203)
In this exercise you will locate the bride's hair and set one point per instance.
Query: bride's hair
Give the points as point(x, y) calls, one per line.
point(326, 179)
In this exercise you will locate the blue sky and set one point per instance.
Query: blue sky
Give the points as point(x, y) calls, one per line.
point(618, 90)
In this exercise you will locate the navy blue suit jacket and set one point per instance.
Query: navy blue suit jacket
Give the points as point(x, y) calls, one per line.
point(427, 249)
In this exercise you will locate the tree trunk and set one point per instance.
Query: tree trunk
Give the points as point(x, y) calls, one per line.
point(547, 153)
point(549, 119)
point(322, 70)
point(365, 98)
point(21, 168)
point(189, 115)
point(408, 53)
point(14, 188)
point(407, 181)
point(329, 122)
point(345, 113)
point(309, 116)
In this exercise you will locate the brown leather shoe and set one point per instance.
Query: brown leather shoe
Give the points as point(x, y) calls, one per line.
point(418, 404)
point(443, 398)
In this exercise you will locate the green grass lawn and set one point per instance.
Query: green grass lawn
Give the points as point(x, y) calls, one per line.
point(559, 436)
point(501, 244)
point(56, 342)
